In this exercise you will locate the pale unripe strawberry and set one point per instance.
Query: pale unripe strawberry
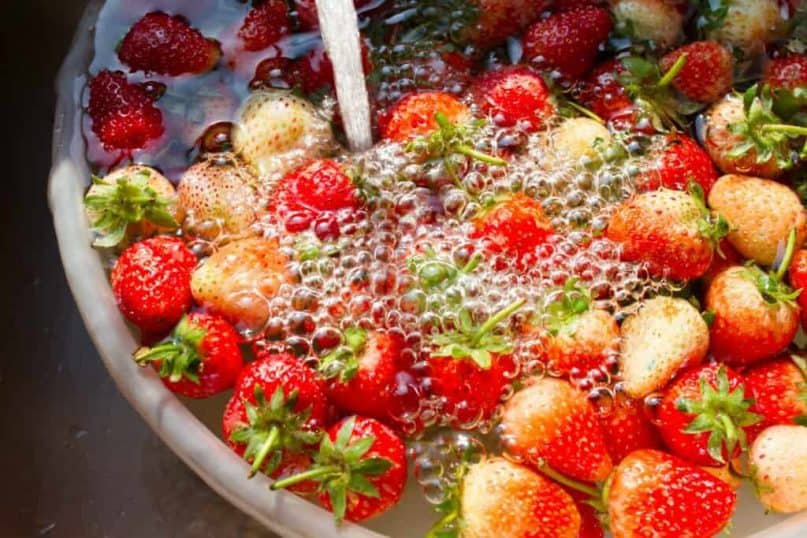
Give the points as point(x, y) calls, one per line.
point(219, 199)
point(578, 138)
point(760, 213)
point(778, 462)
point(665, 335)
point(278, 131)
point(749, 24)
point(238, 280)
point(649, 20)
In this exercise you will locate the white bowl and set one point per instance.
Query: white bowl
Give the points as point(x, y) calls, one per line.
point(191, 428)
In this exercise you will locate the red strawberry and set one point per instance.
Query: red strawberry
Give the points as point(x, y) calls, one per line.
point(514, 96)
point(513, 227)
point(627, 428)
point(670, 231)
point(797, 276)
point(472, 367)
point(550, 422)
point(274, 413)
point(315, 69)
point(498, 19)
point(361, 468)
point(151, 282)
point(602, 92)
point(362, 373)
point(414, 115)
point(265, 24)
point(779, 391)
point(568, 5)
point(655, 494)
point(707, 74)
point(313, 195)
point(704, 414)
point(730, 257)
point(160, 43)
point(568, 42)
point(123, 115)
point(681, 161)
point(200, 358)
point(590, 524)
point(787, 72)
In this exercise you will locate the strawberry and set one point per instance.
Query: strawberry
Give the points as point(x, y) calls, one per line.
point(160, 43)
point(279, 73)
point(602, 91)
point(360, 467)
point(664, 336)
point(786, 72)
point(551, 423)
point(497, 497)
point(514, 96)
point(755, 315)
point(513, 228)
point(274, 414)
point(578, 139)
point(655, 21)
point(779, 391)
point(704, 415)
point(627, 428)
point(218, 199)
point(778, 460)
point(590, 524)
point(123, 115)
point(130, 202)
point(264, 25)
point(314, 195)
point(567, 42)
point(707, 74)
point(201, 358)
point(670, 232)
point(655, 494)
point(680, 161)
point(236, 281)
point(745, 25)
point(315, 69)
point(414, 115)
point(729, 258)
point(492, 21)
point(151, 283)
point(797, 274)
point(362, 373)
point(472, 367)
point(579, 338)
point(747, 204)
point(278, 131)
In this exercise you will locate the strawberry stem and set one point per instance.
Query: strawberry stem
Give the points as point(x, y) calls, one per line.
point(673, 71)
point(442, 524)
point(311, 474)
point(479, 156)
point(495, 319)
point(268, 446)
point(472, 264)
point(790, 249)
point(568, 482)
point(586, 112)
point(795, 130)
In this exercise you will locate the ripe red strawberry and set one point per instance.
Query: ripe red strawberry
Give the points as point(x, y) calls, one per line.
point(414, 115)
point(360, 467)
point(704, 415)
point(656, 494)
point(514, 96)
point(362, 373)
point(680, 161)
point(708, 73)
point(568, 42)
point(513, 228)
point(670, 231)
point(265, 24)
point(602, 92)
point(797, 276)
point(550, 422)
point(730, 257)
point(788, 72)
point(167, 45)
point(495, 20)
point(275, 412)
point(313, 195)
point(779, 391)
point(123, 115)
point(472, 367)
point(590, 524)
point(627, 428)
point(315, 70)
point(200, 358)
point(151, 282)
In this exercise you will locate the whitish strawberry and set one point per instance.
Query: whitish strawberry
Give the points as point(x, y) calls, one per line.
point(747, 25)
point(278, 131)
point(749, 204)
point(577, 139)
point(656, 21)
point(664, 336)
point(778, 460)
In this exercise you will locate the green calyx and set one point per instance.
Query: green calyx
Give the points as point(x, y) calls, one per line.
point(479, 343)
point(130, 200)
point(765, 132)
point(570, 302)
point(721, 412)
point(713, 227)
point(770, 284)
point(342, 467)
point(179, 356)
point(343, 362)
point(273, 427)
point(435, 273)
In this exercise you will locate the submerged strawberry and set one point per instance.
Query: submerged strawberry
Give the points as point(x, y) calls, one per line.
point(414, 115)
point(680, 161)
point(514, 96)
point(265, 24)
